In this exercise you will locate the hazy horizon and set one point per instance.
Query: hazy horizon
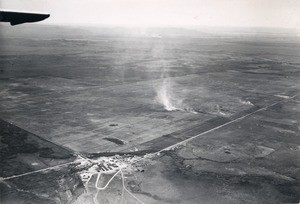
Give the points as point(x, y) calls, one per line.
point(165, 13)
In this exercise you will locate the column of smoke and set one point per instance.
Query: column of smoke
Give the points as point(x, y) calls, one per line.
point(171, 101)
point(165, 94)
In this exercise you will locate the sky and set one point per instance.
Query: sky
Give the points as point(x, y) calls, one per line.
point(234, 13)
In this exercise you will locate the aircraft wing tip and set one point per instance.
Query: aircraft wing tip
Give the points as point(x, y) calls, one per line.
point(15, 18)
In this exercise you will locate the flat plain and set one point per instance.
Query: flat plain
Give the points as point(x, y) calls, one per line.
point(221, 108)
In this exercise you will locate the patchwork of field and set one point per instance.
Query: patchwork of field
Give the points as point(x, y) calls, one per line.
point(105, 91)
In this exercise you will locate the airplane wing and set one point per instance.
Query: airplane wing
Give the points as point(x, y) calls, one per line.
point(15, 17)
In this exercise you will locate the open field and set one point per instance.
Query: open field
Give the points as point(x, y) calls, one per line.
point(228, 102)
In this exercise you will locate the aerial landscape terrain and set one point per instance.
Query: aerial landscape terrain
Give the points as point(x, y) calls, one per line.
point(149, 115)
